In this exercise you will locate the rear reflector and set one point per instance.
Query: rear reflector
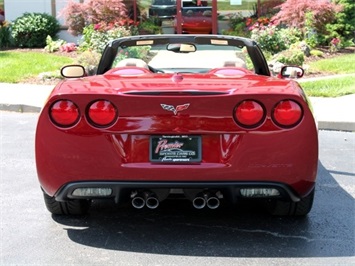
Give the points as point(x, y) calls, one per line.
point(249, 113)
point(64, 113)
point(102, 113)
point(92, 192)
point(259, 192)
point(287, 113)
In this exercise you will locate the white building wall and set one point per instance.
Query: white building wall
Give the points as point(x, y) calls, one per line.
point(16, 8)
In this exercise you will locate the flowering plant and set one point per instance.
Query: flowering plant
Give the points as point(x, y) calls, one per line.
point(334, 44)
point(335, 41)
point(268, 38)
point(273, 38)
point(259, 23)
point(68, 47)
point(79, 15)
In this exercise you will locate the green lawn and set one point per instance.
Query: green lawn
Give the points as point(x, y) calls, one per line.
point(344, 64)
point(333, 87)
point(18, 66)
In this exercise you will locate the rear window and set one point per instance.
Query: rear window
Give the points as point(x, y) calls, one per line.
point(205, 57)
point(164, 2)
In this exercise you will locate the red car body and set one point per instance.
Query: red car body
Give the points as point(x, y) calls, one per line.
point(121, 134)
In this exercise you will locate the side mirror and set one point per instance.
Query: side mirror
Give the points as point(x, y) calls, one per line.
point(291, 72)
point(73, 71)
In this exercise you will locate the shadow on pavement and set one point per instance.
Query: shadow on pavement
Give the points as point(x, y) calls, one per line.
point(176, 228)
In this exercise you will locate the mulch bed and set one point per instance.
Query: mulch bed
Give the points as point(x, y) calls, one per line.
point(328, 54)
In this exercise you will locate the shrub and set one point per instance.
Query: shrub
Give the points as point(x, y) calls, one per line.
point(141, 52)
point(294, 56)
point(274, 39)
point(5, 35)
point(291, 57)
point(151, 25)
point(90, 60)
point(96, 37)
point(77, 15)
point(32, 29)
point(268, 38)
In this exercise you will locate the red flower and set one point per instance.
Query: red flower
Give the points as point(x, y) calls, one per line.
point(335, 41)
point(249, 21)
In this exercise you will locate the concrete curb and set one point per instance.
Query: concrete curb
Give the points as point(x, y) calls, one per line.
point(336, 126)
point(21, 108)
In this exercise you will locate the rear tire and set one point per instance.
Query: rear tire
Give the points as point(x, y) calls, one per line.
point(71, 207)
point(289, 208)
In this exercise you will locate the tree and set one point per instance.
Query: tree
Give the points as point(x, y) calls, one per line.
point(344, 24)
point(295, 13)
point(79, 15)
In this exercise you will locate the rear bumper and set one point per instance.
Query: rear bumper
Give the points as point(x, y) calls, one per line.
point(196, 30)
point(122, 190)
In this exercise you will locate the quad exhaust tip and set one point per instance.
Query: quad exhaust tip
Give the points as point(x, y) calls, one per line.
point(152, 202)
point(205, 199)
point(213, 203)
point(199, 202)
point(139, 200)
point(149, 199)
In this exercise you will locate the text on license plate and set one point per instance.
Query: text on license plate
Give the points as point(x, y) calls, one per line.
point(175, 148)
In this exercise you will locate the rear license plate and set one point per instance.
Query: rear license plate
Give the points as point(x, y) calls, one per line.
point(175, 149)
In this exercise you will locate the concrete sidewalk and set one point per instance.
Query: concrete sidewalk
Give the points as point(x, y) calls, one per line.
point(331, 113)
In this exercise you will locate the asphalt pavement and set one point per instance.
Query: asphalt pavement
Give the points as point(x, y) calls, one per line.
point(331, 113)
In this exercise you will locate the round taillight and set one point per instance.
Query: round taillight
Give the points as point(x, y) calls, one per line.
point(249, 113)
point(287, 113)
point(64, 113)
point(102, 113)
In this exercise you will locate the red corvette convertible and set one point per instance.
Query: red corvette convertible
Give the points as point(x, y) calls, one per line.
point(191, 116)
point(195, 20)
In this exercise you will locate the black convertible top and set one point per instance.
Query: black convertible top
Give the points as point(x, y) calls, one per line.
point(254, 51)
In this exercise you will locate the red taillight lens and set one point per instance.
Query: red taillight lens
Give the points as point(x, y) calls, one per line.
point(64, 113)
point(287, 113)
point(249, 113)
point(102, 113)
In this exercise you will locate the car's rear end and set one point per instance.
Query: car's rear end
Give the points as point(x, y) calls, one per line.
point(197, 20)
point(204, 138)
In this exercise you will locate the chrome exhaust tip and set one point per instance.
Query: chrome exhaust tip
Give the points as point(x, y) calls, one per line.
point(152, 202)
point(138, 202)
point(199, 202)
point(213, 203)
